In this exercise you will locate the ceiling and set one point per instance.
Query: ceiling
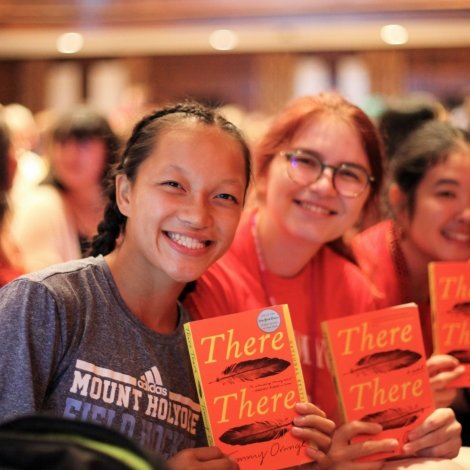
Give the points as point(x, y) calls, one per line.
point(29, 29)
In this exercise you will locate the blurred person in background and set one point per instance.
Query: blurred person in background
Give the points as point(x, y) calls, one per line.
point(32, 167)
point(9, 256)
point(133, 104)
point(460, 114)
point(55, 221)
point(399, 118)
point(402, 116)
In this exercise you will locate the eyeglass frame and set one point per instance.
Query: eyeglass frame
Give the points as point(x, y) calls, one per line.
point(289, 154)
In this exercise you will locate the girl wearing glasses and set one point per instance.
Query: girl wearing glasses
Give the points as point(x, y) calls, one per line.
point(318, 171)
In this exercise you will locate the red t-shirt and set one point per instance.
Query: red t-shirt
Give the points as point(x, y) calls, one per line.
point(380, 257)
point(7, 272)
point(328, 287)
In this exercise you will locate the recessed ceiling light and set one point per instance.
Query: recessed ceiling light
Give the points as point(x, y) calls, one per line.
point(69, 43)
point(223, 40)
point(394, 34)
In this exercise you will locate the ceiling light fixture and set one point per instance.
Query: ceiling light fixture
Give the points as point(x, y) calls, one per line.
point(69, 43)
point(394, 34)
point(223, 40)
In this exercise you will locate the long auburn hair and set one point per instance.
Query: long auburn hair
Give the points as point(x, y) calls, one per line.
point(304, 109)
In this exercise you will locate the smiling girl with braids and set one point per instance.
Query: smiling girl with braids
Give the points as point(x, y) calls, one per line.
point(101, 338)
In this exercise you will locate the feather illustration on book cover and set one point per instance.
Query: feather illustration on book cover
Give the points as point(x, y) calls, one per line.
point(253, 369)
point(378, 365)
point(385, 361)
point(248, 377)
point(449, 288)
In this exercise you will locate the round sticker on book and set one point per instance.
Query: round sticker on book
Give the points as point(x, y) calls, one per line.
point(268, 320)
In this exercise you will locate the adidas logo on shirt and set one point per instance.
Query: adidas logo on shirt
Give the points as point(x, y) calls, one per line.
point(151, 381)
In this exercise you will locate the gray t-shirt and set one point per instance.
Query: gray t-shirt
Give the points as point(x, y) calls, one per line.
point(69, 346)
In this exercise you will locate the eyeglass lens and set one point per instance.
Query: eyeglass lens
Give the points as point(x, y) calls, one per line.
point(348, 179)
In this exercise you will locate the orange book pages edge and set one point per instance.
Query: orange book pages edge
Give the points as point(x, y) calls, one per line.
point(449, 287)
point(380, 369)
point(251, 380)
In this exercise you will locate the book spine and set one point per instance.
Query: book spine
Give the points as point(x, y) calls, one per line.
point(199, 386)
point(294, 354)
point(433, 298)
point(333, 370)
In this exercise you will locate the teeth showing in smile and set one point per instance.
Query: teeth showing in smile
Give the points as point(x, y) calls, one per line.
point(314, 208)
point(187, 242)
point(458, 236)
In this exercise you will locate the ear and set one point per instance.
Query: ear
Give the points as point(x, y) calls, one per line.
point(397, 199)
point(123, 194)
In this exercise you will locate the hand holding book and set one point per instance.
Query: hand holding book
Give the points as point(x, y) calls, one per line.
point(444, 369)
point(310, 425)
point(382, 379)
point(379, 369)
point(345, 450)
point(313, 427)
point(438, 436)
point(201, 458)
point(251, 390)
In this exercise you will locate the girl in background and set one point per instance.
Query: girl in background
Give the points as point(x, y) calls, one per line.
point(56, 220)
point(429, 197)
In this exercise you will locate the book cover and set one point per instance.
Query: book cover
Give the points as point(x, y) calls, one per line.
point(449, 288)
point(378, 363)
point(249, 378)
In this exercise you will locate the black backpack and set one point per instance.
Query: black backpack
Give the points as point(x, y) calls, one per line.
point(50, 443)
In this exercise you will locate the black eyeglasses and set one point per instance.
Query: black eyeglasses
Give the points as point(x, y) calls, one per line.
point(305, 167)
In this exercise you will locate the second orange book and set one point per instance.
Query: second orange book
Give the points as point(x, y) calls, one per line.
point(379, 368)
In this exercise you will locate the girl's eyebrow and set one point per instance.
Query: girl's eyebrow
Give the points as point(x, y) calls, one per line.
point(185, 171)
point(446, 181)
point(232, 182)
point(309, 151)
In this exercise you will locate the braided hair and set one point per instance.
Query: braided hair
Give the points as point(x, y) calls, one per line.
point(139, 146)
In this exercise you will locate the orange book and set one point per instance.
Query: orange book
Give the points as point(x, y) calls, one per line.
point(249, 378)
point(378, 364)
point(449, 288)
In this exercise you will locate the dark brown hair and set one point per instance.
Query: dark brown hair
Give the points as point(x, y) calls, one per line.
point(426, 147)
